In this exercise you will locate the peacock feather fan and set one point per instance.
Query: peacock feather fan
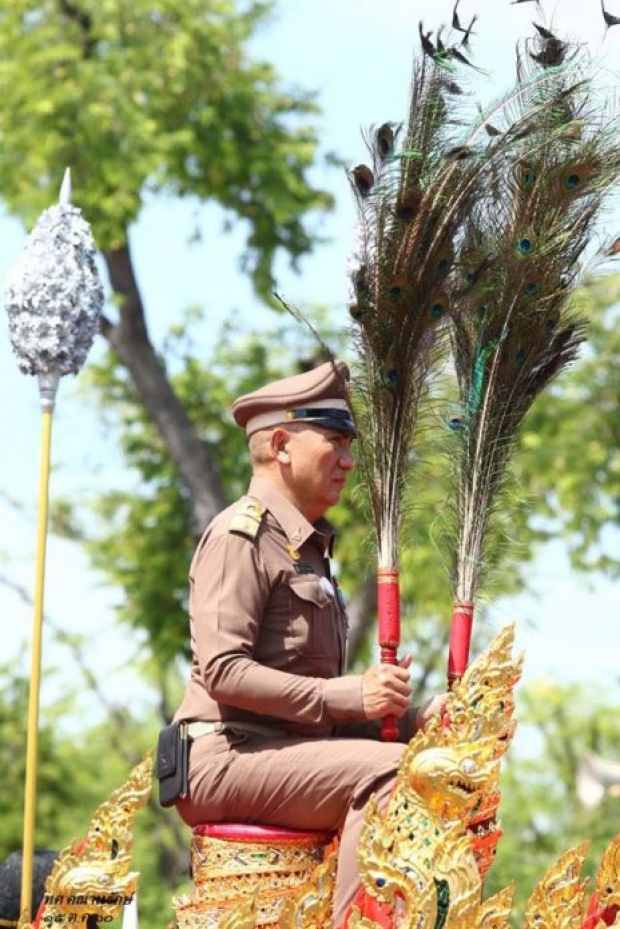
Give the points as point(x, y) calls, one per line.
point(424, 179)
point(523, 249)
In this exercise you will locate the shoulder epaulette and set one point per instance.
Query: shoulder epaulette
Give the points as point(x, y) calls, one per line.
point(247, 518)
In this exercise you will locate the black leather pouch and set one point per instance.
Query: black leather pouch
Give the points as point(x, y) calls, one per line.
point(172, 763)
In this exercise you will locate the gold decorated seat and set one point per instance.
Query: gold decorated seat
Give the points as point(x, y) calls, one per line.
point(235, 863)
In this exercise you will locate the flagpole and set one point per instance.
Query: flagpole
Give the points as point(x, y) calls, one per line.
point(48, 385)
point(53, 299)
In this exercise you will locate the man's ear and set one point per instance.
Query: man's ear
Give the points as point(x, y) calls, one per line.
point(279, 445)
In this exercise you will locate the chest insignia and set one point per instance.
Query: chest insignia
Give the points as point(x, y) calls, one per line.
point(302, 568)
point(247, 518)
point(293, 552)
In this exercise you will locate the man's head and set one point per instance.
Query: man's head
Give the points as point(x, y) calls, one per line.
point(300, 431)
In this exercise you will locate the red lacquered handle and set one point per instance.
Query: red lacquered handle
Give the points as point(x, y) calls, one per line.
point(389, 726)
point(389, 729)
point(388, 609)
point(460, 639)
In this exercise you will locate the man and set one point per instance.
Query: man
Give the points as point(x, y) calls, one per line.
point(272, 716)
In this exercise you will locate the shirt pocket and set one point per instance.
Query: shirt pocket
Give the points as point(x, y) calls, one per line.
point(313, 620)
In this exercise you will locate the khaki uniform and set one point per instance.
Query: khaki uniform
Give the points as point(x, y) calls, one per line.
point(268, 633)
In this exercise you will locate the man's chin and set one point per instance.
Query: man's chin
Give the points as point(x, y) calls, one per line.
point(334, 495)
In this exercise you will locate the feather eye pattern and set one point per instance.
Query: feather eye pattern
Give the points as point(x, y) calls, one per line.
point(520, 256)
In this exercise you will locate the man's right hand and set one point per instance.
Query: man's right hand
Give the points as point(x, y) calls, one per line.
point(385, 691)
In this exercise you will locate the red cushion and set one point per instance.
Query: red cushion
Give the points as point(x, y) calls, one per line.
point(246, 832)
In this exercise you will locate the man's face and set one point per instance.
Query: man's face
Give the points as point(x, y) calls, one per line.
point(320, 461)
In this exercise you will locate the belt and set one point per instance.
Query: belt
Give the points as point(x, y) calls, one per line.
point(197, 729)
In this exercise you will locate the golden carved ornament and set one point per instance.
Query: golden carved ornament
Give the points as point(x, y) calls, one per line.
point(608, 876)
point(494, 912)
point(418, 854)
point(91, 878)
point(242, 917)
point(222, 858)
point(311, 908)
point(559, 899)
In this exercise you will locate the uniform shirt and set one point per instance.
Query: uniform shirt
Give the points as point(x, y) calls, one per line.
point(268, 628)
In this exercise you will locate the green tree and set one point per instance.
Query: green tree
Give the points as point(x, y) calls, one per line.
point(74, 770)
point(57, 778)
point(143, 540)
point(540, 811)
point(153, 97)
point(570, 460)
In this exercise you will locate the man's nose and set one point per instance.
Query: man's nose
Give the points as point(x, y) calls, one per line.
point(347, 461)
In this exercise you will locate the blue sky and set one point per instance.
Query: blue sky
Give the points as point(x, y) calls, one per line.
point(357, 55)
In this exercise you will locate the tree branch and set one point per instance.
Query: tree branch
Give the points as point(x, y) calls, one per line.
point(84, 23)
point(130, 340)
point(361, 609)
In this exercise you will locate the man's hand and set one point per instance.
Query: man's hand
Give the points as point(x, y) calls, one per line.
point(433, 707)
point(386, 690)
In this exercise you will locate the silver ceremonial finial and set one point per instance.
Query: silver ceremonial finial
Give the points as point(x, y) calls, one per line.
point(54, 296)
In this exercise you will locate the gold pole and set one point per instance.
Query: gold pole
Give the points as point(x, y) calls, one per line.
point(29, 295)
point(32, 742)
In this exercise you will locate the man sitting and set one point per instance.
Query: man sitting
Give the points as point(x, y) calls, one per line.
point(279, 735)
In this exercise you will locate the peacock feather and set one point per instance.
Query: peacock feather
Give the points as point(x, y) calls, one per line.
point(412, 200)
point(424, 252)
point(524, 247)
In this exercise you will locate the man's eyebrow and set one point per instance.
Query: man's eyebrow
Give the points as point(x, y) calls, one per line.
point(344, 437)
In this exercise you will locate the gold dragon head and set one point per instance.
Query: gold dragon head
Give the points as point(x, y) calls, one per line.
point(450, 779)
point(92, 877)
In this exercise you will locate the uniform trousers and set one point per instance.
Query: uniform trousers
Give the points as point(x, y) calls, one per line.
point(298, 783)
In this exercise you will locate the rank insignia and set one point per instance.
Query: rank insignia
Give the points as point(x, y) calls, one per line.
point(247, 518)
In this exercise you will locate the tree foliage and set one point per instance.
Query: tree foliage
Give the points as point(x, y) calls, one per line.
point(153, 96)
point(144, 541)
point(540, 811)
point(570, 462)
point(150, 97)
point(57, 778)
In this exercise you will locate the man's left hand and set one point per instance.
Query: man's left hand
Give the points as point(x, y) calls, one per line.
point(434, 707)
